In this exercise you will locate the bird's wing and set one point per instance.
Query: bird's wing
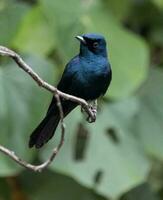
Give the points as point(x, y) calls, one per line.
point(108, 81)
point(65, 83)
point(66, 80)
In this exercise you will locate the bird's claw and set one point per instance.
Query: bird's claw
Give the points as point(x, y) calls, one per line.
point(93, 108)
point(91, 119)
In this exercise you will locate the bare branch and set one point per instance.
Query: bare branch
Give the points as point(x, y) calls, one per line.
point(36, 168)
point(7, 52)
point(58, 94)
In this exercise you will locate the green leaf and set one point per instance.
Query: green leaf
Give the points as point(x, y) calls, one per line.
point(120, 9)
point(148, 125)
point(64, 19)
point(4, 190)
point(50, 185)
point(158, 3)
point(35, 35)
point(22, 106)
point(156, 35)
point(118, 161)
point(128, 53)
point(60, 12)
point(11, 15)
point(142, 192)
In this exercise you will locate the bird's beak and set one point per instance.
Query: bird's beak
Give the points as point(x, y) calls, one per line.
point(81, 39)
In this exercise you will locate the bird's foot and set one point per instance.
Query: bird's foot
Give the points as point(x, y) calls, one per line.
point(93, 108)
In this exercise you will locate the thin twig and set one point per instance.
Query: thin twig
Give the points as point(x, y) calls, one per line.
point(58, 94)
point(7, 52)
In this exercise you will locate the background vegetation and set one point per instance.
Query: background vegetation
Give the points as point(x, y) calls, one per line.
point(121, 155)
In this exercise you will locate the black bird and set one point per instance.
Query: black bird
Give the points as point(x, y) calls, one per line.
point(87, 76)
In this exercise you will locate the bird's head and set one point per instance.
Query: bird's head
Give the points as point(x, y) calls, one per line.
point(92, 43)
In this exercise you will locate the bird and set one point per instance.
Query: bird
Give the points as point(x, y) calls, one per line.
point(87, 75)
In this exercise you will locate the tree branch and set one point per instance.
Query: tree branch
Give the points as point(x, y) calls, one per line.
point(57, 94)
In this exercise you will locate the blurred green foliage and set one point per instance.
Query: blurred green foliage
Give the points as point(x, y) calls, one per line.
point(119, 156)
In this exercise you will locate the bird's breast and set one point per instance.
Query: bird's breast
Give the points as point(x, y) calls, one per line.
point(90, 80)
point(95, 72)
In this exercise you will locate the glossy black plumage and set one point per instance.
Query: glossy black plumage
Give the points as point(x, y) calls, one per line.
point(87, 75)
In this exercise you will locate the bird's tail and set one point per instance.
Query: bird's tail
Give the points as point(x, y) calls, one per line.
point(46, 129)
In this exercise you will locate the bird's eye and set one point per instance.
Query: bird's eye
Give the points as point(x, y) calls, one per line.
point(95, 44)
